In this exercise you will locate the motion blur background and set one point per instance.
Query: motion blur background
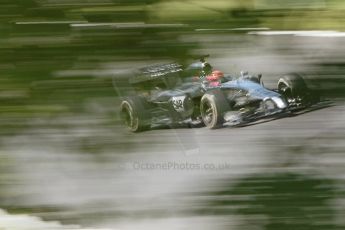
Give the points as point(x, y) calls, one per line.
point(64, 156)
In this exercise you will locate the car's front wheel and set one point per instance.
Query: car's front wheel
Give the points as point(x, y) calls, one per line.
point(212, 108)
point(293, 88)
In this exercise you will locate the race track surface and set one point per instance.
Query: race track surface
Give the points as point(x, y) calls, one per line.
point(104, 177)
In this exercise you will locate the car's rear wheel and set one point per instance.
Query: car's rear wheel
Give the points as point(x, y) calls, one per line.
point(135, 115)
point(212, 108)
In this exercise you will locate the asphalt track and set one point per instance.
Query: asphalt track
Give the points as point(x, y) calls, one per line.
point(149, 180)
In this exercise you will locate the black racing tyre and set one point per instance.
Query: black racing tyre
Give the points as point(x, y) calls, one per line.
point(135, 114)
point(293, 86)
point(213, 105)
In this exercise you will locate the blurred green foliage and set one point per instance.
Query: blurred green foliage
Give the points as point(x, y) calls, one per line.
point(40, 38)
point(278, 201)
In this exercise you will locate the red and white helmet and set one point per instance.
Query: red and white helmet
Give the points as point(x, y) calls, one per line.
point(216, 75)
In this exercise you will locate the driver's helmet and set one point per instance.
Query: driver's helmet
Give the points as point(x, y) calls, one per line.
point(215, 78)
point(215, 75)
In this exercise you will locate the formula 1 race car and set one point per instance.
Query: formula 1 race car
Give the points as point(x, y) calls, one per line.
point(170, 95)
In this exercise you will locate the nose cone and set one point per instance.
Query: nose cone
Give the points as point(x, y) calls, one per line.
point(281, 103)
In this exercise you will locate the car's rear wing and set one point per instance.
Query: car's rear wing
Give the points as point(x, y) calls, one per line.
point(154, 72)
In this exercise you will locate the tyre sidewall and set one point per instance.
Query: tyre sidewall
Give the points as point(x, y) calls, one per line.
point(219, 106)
point(296, 84)
point(138, 107)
